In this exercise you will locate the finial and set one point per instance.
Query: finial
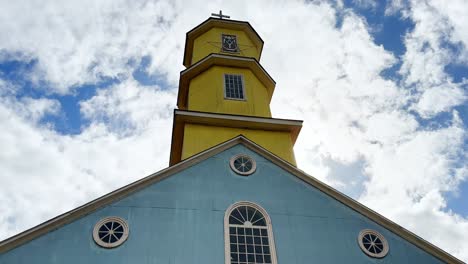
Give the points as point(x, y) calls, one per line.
point(220, 15)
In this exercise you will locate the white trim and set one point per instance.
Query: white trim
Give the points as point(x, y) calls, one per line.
point(117, 243)
point(252, 170)
point(271, 240)
point(266, 120)
point(230, 57)
point(377, 234)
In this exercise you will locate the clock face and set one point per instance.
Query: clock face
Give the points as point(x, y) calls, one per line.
point(229, 43)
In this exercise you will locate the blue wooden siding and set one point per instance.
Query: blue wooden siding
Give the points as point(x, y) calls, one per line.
point(180, 220)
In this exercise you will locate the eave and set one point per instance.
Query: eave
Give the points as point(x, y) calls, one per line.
point(222, 60)
point(182, 117)
point(220, 23)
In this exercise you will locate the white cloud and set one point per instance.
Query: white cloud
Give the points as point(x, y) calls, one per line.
point(428, 52)
point(395, 6)
point(328, 76)
point(80, 167)
point(80, 42)
point(440, 99)
point(129, 107)
point(367, 4)
point(390, 128)
point(456, 17)
point(415, 174)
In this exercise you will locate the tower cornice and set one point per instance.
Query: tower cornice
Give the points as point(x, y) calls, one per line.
point(182, 117)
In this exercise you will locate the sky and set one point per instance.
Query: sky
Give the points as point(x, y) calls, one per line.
point(88, 88)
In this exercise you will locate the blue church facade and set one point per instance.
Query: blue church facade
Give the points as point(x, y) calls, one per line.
point(179, 218)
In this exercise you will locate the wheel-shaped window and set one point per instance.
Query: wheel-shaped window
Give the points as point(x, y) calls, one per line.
point(248, 235)
point(373, 243)
point(110, 232)
point(243, 164)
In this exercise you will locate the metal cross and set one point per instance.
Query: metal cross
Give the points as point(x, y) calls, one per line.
point(220, 15)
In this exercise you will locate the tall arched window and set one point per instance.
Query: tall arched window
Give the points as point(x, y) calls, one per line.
point(248, 235)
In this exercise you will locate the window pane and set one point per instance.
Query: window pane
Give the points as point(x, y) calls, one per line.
point(261, 222)
point(242, 258)
point(234, 87)
point(257, 240)
point(233, 239)
point(250, 249)
point(258, 249)
point(233, 248)
point(241, 248)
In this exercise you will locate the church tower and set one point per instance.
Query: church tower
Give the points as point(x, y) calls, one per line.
point(225, 92)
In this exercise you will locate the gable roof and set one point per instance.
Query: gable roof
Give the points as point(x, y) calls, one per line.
point(118, 194)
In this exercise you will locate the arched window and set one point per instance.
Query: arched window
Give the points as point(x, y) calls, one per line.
point(248, 235)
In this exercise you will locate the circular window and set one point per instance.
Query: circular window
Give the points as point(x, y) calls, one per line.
point(373, 243)
point(243, 164)
point(110, 232)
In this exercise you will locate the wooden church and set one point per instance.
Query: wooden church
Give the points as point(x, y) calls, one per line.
point(232, 193)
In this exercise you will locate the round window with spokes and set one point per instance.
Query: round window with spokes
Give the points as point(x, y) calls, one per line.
point(243, 164)
point(110, 232)
point(373, 243)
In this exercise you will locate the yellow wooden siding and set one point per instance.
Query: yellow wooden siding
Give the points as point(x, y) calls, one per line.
point(206, 93)
point(198, 138)
point(210, 42)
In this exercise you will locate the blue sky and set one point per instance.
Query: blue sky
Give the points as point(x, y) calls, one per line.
point(87, 92)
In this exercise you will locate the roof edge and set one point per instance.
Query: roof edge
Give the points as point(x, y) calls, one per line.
point(360, 208)
point(69, 216)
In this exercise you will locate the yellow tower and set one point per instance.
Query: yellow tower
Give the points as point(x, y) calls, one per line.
point(225, 92)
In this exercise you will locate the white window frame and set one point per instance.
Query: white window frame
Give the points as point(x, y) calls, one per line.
point(271, 240)
point(385, 245)
point(251, 171)
point(104, 220)
point(243, 87)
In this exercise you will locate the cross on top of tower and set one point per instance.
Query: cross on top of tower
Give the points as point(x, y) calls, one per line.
point(220, 15)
